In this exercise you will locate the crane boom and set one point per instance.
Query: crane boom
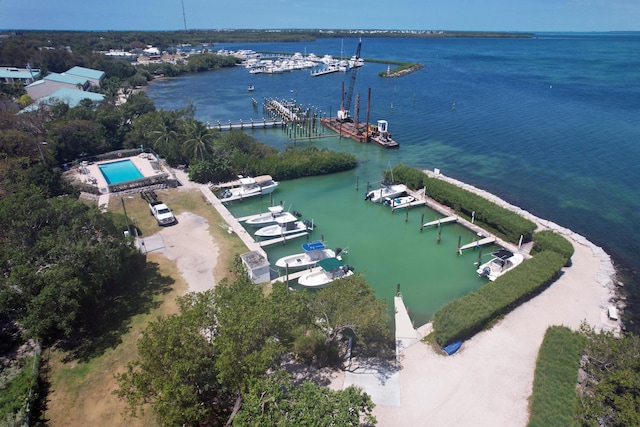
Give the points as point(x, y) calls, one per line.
point(343, 113)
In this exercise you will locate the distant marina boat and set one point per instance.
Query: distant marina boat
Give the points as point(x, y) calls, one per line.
point(331, 269)
point(313, 253)
point(250, 88)
point(502, 261)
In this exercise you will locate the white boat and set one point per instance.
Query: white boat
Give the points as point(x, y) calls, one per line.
point(330, 270)
point(398, 201)
point(502, 261)
point(286, 224)
point(249, 187)
point(269, 218)
point(313, 252)
point(391, 191)
point(250, 88)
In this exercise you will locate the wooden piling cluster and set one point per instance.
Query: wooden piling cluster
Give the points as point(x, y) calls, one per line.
point(299, 122)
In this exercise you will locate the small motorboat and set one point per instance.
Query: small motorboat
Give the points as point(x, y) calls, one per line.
point(267, 218)
point(502, 261)
point(286, 224)
point(249, 187)
point(250, 88)
point(313, 253)
point(386, 191)
point(398, 201)
point(330, 270)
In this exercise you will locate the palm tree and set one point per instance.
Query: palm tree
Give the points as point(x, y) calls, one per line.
point(199, 141)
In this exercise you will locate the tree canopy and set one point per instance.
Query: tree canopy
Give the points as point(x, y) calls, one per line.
point(223, 354)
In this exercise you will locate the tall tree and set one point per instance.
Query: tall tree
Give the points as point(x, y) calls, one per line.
point(175, 372)
point(349, 308)
point(198, 141)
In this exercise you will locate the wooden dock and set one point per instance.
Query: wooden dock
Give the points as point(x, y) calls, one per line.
point(409, 205)
point(249, 124)
point(282, 239)
point(478, 243)
point(441, 221)
point(296, 275)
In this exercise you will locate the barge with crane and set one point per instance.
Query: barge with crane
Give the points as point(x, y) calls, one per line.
point(345, 125)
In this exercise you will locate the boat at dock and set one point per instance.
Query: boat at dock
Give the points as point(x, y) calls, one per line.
point(330, 270)
point(285, 225)
point(398, 202)
point(269, 218)
point(313, 253)
point(502, 261)
point(390, 191)
point(247, 187)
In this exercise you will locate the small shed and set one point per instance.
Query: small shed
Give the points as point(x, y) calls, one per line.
point(257, 265)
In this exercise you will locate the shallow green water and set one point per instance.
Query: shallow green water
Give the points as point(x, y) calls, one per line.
point(387, 248)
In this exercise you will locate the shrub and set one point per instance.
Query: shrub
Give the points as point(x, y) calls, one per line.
point(548, 240)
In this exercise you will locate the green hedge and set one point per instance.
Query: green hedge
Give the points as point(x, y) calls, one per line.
point(548, 240)
point(297, 163)
point(554, 398)
point(464, 317)
point(500, 221)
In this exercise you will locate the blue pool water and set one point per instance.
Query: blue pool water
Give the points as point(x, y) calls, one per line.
point(120, 171)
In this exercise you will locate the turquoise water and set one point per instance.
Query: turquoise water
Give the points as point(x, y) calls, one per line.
point(387, 248)
point(549, 124)
point(120, 171)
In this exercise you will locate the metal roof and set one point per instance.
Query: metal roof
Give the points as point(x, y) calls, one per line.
point(85, 72)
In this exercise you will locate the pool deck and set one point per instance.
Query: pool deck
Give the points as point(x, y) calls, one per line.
point(90, 173)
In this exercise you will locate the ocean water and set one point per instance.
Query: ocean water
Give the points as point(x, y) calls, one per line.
point(550, 124)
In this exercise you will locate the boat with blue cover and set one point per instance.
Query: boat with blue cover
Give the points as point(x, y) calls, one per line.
point(313, 252)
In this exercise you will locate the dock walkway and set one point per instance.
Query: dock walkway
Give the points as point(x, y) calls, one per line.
point(249, 124)
point(282, 239)
point(232, 221)
point(441, 221)
point(478, 243)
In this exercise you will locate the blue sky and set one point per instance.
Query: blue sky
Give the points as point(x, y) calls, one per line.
point(487, 15)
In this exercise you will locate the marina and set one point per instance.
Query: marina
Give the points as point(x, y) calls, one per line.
point(421, 117)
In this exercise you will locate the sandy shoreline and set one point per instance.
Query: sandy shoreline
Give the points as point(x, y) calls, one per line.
point(489, 381)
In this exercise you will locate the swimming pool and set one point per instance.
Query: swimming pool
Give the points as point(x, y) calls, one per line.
point(120, 171)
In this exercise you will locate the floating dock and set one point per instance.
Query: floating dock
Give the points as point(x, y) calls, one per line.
point(478, 243)
point(441, 221)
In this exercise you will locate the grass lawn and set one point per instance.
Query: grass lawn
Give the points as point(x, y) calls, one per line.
point(81, 392)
